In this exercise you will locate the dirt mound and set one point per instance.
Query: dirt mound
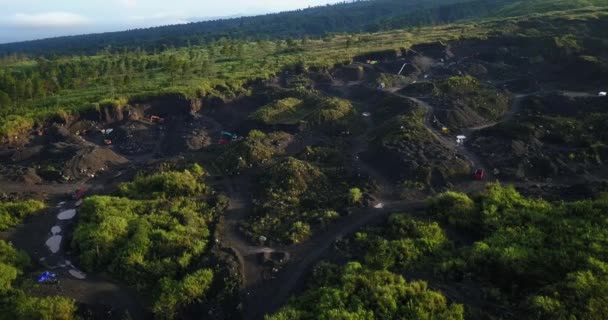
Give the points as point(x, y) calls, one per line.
point(522, 160)
point(432, 165)
point(92, 160)
point(23, 175)
point(435, 50)
point(26, 153)
point(459, 117)
point(60, 133)
point(170, 105)
point(30, 177)
point(191, 134)
point(411, 70)
point(552, 136)
point(350, 73)
point(234, 115)
point(135, 138)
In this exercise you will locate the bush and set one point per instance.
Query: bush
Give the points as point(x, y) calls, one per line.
point(13, 213)
point(284, 111)
point(14, 126)
point(454, 208)
point(360, 293)
point(355, 196)
point(159, 230)
point(165, 185)
point(173, 294)
point(256, 149)
point(14, 303)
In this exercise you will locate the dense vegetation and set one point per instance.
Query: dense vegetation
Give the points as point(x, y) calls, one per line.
point(252, 151)
point(357, 292)
point(530, 258)
point(299, 195)
point(154, 235)
point(547, 259)
point(353, 16)
point(15, 303)
point(13, 213)
point(35, 90)
point(314, 110)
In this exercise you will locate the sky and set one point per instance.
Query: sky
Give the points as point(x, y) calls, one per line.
point(35, 19)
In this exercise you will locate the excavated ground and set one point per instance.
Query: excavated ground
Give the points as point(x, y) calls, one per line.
point(519, 146)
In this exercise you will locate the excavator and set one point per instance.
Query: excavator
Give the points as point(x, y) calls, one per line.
point(227, 137)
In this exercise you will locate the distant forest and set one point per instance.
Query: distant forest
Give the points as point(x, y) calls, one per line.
point(357, 16)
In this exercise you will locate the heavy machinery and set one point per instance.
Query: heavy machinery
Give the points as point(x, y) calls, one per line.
point(228, 137)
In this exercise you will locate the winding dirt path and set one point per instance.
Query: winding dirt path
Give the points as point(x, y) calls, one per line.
point(273, 294)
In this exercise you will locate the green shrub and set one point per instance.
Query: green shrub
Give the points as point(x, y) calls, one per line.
point(13, 213)
point(284, 111)
point(454, 208)
point(166, 185)
point(15, 303)
point(158, 229)
point(361, 293)
point(355, 196)
point(15, 126)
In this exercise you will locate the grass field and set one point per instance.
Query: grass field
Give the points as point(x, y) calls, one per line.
point(228, 71)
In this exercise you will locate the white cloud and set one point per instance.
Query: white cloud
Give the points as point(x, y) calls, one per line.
point(56, 19)
point(158, 19)
point(128, 3)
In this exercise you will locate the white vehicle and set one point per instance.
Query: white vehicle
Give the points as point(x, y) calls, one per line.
point(366, 114)
point(602, 94)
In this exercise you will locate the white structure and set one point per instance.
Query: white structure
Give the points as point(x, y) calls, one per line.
point(603, 94)
point(366, 114)
point(460, 140)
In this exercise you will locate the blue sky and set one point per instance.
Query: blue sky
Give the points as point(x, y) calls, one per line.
point(35, 19)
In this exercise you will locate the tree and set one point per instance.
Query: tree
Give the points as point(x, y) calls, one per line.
point(355, 196)
point(5, 100)
point(8, 274)
point(290, 43)
point(299, 232)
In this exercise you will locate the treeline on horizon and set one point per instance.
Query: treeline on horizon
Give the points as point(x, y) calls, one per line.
point(347, 17)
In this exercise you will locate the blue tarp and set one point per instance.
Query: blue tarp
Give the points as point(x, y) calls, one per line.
point(47, 277)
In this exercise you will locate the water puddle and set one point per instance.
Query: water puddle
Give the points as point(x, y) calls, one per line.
point(55, 230)
point(67, 214)
point(77, 274)
point(55, 260)
point(54, 243)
